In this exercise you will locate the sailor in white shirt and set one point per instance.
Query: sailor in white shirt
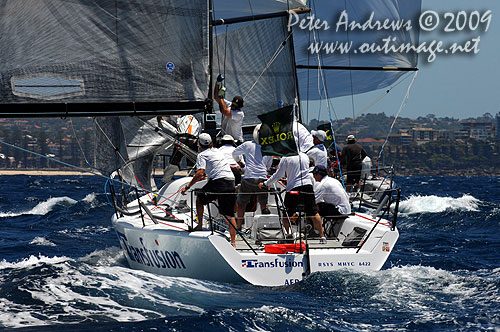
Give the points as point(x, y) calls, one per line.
point(227, 149)
point(331, 197)
point(256, 167)
point(299, 189)
point(318, 151)
point(232, 115)
point(302, 136)
point(212, 163)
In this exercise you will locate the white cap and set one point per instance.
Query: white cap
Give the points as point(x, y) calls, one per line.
point(351, 138)
point(256, 133)
point(319, 134)
point(204, 139)
point(227, 138)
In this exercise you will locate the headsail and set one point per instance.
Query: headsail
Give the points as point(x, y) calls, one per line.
point(339, 81)
point(257, 61)
point(123, 54)
point(129, 144)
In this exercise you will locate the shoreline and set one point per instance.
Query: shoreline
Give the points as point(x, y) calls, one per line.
point(59, 172)
point(20, 171)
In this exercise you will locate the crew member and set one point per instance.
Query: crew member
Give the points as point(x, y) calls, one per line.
point(302, 136)
point(220, 185)
point(299, 189)
point(352, 158)
point(232, 115)
point(227, 147)
point(331, 197)
point(256, 167)
point(318, 151)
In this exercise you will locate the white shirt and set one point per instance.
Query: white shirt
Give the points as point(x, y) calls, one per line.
point(330, 190)
point(319, 155)
point(214, 163)
point(256, 165)
point(227, 151)
point(232, 125)
point(303, 137)
point(296, 169)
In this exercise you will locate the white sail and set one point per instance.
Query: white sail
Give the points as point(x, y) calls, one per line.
point(340, 14)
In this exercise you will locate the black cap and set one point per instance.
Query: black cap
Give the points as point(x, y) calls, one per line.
point(320, 169)
point(238, 101)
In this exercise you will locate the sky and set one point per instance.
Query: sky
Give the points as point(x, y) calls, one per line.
point(459, 86)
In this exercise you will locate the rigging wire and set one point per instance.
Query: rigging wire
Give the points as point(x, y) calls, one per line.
point(350, 71)
point(280, 48)
point(376, 100)
point(80, 146)
point(329, 107)
point(403, 104)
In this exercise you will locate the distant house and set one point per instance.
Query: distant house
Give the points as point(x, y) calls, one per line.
point(424, 135)
point(371, 142)
point(478, 129)
point(403, 138)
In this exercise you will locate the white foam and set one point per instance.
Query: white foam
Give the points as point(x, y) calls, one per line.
point(32, 261)
point(90, 198)
point(121, 294)
point(41, 241)
point(41, 208)
point(436, 204)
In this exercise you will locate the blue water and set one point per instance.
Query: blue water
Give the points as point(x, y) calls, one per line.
point(61, 269)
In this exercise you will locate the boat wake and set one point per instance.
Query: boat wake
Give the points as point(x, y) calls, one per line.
point(99, 288)
point(95, 288)
point(435, 204)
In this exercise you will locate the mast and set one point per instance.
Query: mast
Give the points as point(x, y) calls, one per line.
point(296, 76)
point(209, 120)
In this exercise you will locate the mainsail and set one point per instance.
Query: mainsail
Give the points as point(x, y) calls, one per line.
point(102, 56)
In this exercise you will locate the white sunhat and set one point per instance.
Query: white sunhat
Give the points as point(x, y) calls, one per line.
point(319, 134)
point(227, 138)
point(351, 138)
point(204, 139)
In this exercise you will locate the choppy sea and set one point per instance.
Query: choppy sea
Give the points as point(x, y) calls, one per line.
point(61, 269)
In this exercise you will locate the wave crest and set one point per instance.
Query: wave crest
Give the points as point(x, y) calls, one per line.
point(41, 208)
point(436, 204)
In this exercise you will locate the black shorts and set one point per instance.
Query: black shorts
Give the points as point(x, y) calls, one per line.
point(237, 174)
point(328, 210)
point(249, 189)
point(353, 177)
point(221, 190)
point(303, 195)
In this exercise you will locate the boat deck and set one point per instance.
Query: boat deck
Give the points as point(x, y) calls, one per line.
point(259, 246)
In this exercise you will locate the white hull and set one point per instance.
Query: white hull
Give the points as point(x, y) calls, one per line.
point(173, 251)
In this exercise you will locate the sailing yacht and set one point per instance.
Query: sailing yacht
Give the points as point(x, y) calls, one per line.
point(128, 62)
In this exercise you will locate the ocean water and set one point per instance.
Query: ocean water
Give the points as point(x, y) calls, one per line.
point(61, 269)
